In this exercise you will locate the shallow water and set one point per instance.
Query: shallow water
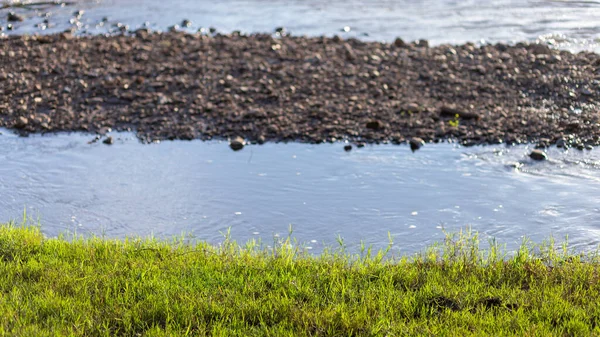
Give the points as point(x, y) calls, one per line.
point(567, 24)
point(204, 188)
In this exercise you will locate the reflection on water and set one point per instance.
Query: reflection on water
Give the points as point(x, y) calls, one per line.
point(568, 24)
point(204, 188)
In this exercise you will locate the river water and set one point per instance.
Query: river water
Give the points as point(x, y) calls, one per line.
point(202, 189)
point(565, 23)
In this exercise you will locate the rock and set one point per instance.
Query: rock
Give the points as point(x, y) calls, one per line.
point(360, 145)
point(109, 140)
point(186, 23)
point(260, 140)
point(21, 122)
point(374, 125)
point(416, 143)
point(451, 112)
point(348, 148)
point(422, 43)
point(13, 17)
point(236, 143)
point(413, 107)
point(399, 43)
point(97, 138)
point(142, 33)
point(349, 52)
point(538, 155)
point(587, 147)
point(561, 143)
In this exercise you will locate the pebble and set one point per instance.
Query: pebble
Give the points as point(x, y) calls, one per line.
point(416, 143)
point(21, 122)
point(374, 125)
point(413, 107)
point(236, 143)
point(400, 43)
point(348, 148)
point(538, 155)
point(109, 140)
point(13, 17)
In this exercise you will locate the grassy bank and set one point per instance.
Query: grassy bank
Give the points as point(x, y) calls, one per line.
point(95, 287)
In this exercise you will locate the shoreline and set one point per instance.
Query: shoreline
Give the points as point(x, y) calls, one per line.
point(177, 85)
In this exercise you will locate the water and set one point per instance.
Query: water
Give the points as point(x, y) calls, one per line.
point(567, 24)
point(203, 189)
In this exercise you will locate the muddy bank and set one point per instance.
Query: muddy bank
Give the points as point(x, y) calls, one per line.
point(180, 86)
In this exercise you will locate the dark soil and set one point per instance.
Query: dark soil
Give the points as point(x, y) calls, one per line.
point(180, 86)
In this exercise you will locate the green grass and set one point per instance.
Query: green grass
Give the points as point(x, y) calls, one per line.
point(134, 287)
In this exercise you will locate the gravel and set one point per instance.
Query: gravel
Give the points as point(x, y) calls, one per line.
point(176, 85)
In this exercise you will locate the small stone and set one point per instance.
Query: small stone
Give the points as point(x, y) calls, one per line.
point(360, 145)
point(348, 148)
point(21, 122)
point(538, 155)
point(261, 140)
point(14, 17)
point(561, 143)
point(236, 143)
point(416, 143)
point(422, 43)
point(109, 140)
point(374, 125)
point(413, 107)
point(186, 23)
point(589, 147)
point(399, 43)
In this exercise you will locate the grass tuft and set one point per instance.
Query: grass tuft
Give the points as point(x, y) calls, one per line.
point(148, 287)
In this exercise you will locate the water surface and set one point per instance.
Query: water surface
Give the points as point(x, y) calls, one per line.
point(203, 189)
point(568, 24)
